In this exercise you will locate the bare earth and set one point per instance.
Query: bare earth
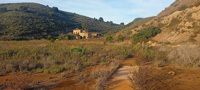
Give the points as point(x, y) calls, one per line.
point(119, 80)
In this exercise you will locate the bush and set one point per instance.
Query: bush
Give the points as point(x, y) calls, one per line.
point(47, 71)
point(185, 56)
point(145, 54)
point(67, 38)
point(52, 40)
point(102, 75)
point(49, 37)
point(145, 34)
point(61, 37)
point(109, 38)
point(120, 37)
point(58, 69)
point(139, 78)
point(39, 70)
point(77, 51)
point(125, 52)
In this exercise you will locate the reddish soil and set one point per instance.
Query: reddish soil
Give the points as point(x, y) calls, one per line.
point(119, 80)
point(183, 79)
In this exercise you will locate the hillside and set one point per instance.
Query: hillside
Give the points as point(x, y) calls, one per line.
point(179, 22)
point(36, 21)
point(178, 5)
point(134, 24)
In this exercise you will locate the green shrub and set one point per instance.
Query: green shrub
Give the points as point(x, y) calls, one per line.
point(39, 70)
point(61, 37)
point(109, 38)
point(47, 71)
point(58, 69)
point(145, 34)
point(14, 69)
point(124, 52)
point(67, 38)
point(145, 54)
point(120, 37)
point(49, 37)
point(79, 51)
point(76, 50)
point(52, 40)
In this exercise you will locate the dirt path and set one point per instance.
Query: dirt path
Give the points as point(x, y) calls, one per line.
point(119, 80)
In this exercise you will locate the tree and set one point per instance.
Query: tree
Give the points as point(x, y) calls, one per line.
point(111, 22)
point(55, 9)
point(109, 38)
point(120, 37)
point(101, 19)
point(122, 23)
point(23, 8)
point(95, 19)
point(83, 26)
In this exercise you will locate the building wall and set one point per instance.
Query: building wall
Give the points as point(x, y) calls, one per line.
point(84, 35)
point(76, 31)
point(95, 34)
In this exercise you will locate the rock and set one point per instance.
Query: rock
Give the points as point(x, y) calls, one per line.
point(172, 73)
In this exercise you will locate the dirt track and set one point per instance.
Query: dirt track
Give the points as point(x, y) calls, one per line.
point(120, 80)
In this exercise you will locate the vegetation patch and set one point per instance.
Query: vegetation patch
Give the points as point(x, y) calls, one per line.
point(145, 34)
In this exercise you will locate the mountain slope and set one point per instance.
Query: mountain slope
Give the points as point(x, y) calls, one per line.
point(180, 26)
point(134, 24)
point(32, 20)
point(179, 22)
point(178, 5)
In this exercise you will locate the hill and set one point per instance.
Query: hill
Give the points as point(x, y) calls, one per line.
point(36, 21)
point(178, 5)
point(134, 24)
point(179, 22)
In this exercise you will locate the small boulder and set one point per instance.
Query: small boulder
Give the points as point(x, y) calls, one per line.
point(172, 73)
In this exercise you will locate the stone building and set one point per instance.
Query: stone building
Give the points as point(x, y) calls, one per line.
point(81, 33)
point(84, 34)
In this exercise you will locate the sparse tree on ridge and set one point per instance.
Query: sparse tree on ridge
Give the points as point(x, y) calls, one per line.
point(101, 19)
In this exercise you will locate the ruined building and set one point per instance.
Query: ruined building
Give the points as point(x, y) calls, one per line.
point(84, 34)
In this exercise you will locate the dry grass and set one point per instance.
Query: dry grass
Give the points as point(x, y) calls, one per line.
point(141, 78)
point(44, 56)
point(144, 54)
point(102, 75)
point(185, 55)
point(145, 78)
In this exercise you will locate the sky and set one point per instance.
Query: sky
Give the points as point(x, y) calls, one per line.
point(111, 10)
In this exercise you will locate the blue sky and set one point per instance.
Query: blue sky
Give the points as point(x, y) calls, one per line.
point(111, 10)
